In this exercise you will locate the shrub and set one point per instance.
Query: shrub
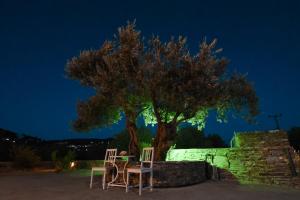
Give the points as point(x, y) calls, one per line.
point(294, 137)
point(62, 162)
point(24, 157)
point(190, 137)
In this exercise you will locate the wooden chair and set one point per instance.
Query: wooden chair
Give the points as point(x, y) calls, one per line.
point(145, 167)
point(109, 160)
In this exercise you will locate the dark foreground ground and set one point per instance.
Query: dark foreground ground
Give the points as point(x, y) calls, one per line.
point(72, 186)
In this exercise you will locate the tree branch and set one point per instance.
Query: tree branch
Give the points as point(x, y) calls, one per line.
point(182, 120)
point(155, 107)
point(175, 117)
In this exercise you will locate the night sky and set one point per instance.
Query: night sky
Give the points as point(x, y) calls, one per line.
point(261, 38)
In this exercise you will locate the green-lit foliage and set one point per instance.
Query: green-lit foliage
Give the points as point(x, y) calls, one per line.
point(199, 119)
point(149, 116)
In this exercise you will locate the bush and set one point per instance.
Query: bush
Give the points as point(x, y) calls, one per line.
point(62, 161)
point(215, 141)
point(24, 157)
point(294, 137)
point(190, 137)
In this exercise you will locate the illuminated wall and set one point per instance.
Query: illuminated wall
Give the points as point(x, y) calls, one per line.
point(260, 157)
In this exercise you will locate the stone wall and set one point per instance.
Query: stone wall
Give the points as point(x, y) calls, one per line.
point(175, 174)
point(260, 158)
point(172, 174)
point(165, 173)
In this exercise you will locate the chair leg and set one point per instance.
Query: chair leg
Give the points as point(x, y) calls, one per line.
point(103, 180)
point(91, 182)
point(151, 180)
point(127, 182)
point(140, 185)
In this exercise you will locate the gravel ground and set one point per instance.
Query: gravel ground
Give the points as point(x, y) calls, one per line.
point(68, 186)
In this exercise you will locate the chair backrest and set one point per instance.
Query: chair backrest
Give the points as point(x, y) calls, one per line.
point(110, 156)
point(147, 157)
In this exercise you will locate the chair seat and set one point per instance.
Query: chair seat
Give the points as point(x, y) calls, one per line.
point(138, 170)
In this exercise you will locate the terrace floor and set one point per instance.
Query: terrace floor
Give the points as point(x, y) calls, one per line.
point(72, 186)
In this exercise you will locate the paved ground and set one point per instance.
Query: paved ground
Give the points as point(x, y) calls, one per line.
point(72, 187)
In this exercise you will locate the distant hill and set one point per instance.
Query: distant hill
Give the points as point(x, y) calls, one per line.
point(85, 148)
point(79, 140)
point(6, 134)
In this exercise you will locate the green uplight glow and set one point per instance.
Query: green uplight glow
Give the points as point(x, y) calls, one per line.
point(255, 157)
point(214, 156)
point(219, 157)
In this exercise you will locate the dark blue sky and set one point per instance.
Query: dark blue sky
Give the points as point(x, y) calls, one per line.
point(260, 38)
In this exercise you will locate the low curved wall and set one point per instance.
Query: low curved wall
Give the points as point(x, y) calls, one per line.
point(169, 173)
point(175, 174)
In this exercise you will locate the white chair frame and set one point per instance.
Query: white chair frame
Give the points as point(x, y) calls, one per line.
point(109, 159)
point(146, 158)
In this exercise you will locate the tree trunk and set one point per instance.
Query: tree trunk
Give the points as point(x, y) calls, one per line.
point(165, 136)
point(133, 146)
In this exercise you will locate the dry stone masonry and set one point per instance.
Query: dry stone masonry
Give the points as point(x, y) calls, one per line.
point(256, 158)
point(175, 174)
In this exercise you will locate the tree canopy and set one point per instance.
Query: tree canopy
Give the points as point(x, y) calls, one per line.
point(162, 81)
point(184, 87)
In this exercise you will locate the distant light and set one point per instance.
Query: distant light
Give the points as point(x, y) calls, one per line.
point(72, 165)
